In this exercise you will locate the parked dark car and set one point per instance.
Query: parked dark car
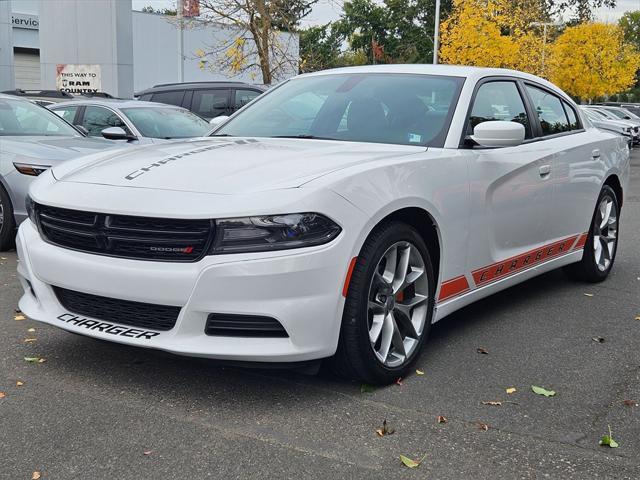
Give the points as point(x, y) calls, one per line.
point(632, 107)
point(206, 99)
point(48, 97)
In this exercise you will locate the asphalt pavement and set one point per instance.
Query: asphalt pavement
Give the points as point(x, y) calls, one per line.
point(95, 410)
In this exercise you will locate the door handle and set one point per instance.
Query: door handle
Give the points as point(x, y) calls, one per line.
point(544, 170)
point(595, 154)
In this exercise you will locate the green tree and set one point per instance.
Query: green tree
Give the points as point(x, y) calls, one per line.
point(630, 24)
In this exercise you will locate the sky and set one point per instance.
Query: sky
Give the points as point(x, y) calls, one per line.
point(327, 10)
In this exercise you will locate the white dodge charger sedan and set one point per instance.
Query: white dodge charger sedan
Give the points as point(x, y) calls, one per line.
point(337, 216)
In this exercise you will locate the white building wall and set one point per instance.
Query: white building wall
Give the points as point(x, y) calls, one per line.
point(6, 48)
point(156, 57)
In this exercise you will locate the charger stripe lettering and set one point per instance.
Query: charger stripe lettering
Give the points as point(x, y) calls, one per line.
point(106, 327)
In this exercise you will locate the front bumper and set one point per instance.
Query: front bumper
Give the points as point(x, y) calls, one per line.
point(299, 288)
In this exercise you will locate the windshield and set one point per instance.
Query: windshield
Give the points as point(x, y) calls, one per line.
point(160, 122)
point(21, 117)
point(381, 108)
point(616, 113)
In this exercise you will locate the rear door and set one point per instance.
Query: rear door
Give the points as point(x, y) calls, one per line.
point(577, 163)
point(510, 187)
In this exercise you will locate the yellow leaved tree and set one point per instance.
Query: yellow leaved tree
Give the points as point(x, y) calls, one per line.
point(592, 60)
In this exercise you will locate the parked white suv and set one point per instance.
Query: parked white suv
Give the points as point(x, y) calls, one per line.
point(337, 216)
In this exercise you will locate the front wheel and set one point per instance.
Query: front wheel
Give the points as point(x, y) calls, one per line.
point(602, 243)
point(389, 305)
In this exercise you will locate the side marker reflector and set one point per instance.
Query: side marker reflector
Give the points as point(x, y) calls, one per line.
point(347, 280)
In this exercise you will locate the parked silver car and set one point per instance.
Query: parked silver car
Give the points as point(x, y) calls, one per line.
point(132, 121)
point(623, 127)
point(32, 139)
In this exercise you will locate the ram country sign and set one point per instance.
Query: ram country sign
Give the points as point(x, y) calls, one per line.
point(78, 78)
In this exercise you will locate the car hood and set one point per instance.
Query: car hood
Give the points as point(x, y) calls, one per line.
point(225, 166)
point(48, 149)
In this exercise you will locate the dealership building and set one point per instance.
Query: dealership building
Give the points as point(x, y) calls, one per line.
point(118, 50)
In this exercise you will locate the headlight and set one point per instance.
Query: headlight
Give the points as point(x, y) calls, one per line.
point(31, 209)
point(273, 232)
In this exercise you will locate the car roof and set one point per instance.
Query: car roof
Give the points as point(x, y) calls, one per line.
point(166, 87)
point(114, 103)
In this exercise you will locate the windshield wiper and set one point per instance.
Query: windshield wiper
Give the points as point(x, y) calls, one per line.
point(304, 136)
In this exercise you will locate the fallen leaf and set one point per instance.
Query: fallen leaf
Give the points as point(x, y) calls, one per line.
point(19, 317)
point(399, 381)
point(2, 394)
point(380, 432)
point(34, 359)
point(19, 383)
point(483, 426)
point(365, 388)
point(630, 403)
point(482, 351)
point(419, 372)
point(411, 463)
point(511, 390)
point(442, 419)
point(638, 317)
point(385, 430)
point(42, 360)
point(608, 440)
point(147, 452)
point(588, 294)
point(36, 476)
point(598, 339)
point(542, 391)
point(30, 340)
point(31, 330)
point(493, 404)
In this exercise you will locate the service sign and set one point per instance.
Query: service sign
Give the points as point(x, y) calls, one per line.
point(78, 78)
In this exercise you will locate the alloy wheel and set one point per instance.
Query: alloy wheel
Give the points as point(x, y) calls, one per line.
point(605, 233)
point(397, 304)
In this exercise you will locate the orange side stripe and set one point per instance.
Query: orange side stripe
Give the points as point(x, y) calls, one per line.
point(453, 287)
point(581, 241)
point(347, 280)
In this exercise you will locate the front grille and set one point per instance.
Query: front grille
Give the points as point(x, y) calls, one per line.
point(143, 238)
point(124, 312)
point(225, 325)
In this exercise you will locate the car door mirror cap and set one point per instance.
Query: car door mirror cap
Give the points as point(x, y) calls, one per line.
point(219, 120)
point(498, 133)
point(116, 133)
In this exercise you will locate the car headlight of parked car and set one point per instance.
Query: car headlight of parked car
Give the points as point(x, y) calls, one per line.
point(273, 232)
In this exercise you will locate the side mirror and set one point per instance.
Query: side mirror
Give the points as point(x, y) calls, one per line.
point(215, 121)
point(498, 134)
point(116, 133)
point(82, 130)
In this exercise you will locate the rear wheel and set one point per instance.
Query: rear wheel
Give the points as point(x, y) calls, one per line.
point(389, 306)
point(7, 222)
point(602, 243)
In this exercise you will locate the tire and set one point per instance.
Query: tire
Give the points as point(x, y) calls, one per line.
point(602, 243)
point(378, 306)
point(7, 222)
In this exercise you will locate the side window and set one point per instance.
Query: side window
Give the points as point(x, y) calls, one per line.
point(210, 103)
point(573, 118)
point(242, 97)
point(170, 98)
point(550, 112)
point(499, 100)
point(97, 119)
point(68, 113)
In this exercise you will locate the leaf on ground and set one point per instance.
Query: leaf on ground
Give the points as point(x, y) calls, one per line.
point(608, 440)
point(493, 403)
point(598, 339)
point(34, 359)
point(36, 476)
point(638, 317)
point(511, 390)
point(482, 351)
point(419, 372)
point(411, 463)
point(542, 391)
point(2, 394)
point(19, 317)
point(588, 294)
point(386, 429)
point(30, 340)
point(147, 452)
point(399, 381)
point(630, 403)
point(442, 419)
point(366, 388)
point(483, 426)
point(31, 330)
point(19, 383)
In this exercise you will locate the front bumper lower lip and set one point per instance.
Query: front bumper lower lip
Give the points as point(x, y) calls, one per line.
point(302, 290)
